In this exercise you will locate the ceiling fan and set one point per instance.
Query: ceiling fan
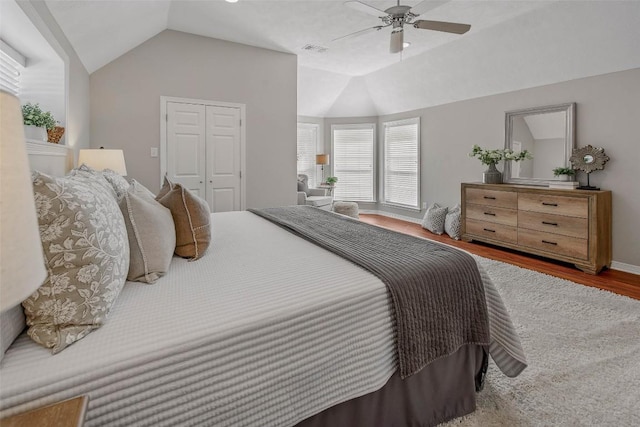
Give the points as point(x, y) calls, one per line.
point(398, 16)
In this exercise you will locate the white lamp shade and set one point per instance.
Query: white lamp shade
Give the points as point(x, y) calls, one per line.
point(102, 159)
point(22, 269)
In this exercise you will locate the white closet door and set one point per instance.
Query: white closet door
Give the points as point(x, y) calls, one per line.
point(223, 152)
point(186, 159)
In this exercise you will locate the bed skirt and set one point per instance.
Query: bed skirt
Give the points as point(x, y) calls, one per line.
point(443, 390)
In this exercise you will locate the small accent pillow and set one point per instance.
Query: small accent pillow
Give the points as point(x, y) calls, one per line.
point(452, 222)
point(192, 219)
point(152, 234)
point(84, 241)
point(434, 218)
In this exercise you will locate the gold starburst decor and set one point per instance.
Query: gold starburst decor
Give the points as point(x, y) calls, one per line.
point(588, 159)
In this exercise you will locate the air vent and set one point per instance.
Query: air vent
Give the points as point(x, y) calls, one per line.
point(314, 48)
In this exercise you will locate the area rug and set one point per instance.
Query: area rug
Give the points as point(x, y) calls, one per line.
point(583, 349)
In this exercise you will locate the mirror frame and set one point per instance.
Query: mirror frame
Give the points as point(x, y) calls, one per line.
point(569, 139)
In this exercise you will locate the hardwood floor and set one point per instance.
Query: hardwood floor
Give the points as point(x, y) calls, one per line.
point(616, 281)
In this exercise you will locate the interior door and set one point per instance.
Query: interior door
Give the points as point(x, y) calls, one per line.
point(223, 190)
point(186, 146)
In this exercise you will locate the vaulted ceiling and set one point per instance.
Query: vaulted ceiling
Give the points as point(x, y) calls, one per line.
point(511, 45)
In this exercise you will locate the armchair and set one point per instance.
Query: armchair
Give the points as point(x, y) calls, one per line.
point(312, 196)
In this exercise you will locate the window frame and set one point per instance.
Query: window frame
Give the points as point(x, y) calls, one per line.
point(367, 126)
point(401, 122)
point(314, 177)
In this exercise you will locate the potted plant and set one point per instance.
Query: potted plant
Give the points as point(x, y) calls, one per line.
point(331, 180)
point(490, 157)
point(36, 122)
point(564, 173)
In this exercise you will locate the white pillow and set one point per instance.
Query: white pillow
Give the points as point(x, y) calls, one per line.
point(434, 218)
point(452, 222)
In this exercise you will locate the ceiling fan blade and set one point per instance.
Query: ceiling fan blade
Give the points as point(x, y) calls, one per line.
point(447, 27)
point(397, 40)
point(362, 7)
point(359, 33)
point(426, 6)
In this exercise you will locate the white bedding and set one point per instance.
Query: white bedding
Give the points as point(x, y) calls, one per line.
point(266, 329)
point(266, 346)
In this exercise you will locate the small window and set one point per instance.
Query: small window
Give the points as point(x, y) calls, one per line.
point(402, 163)
point(10, 67)
point(353, 161)
point(307, 144)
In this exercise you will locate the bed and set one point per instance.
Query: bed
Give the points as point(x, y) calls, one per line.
point(266, 329)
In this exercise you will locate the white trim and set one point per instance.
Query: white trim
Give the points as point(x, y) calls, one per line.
point(628, 268)
point(46, 148)
point(391, 215)
point(243, 137)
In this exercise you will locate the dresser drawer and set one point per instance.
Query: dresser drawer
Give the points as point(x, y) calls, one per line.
point(559, 205)
point(491, 230)
point(554, 243)
point(502, 199)
point(557, 224)
point(492, 214)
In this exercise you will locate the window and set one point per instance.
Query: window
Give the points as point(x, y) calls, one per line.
point(11, 62)
point(402, 163)
point(307, 143)
point(353, 148)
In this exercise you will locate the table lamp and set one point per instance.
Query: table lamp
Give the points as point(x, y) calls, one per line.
point(322, 159)
point(101, 159)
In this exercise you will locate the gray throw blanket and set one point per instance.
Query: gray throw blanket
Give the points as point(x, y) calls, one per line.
point(436, 291)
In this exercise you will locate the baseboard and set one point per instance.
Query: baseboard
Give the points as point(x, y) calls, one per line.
point(391, 215)
point(615, 265)
point(627, 268)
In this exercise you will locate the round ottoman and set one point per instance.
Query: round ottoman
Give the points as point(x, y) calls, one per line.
point(346, 208)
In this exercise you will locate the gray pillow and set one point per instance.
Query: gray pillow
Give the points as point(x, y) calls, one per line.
point(84, 241)
point(152, 234)
point(452, 222)
point(434, 218)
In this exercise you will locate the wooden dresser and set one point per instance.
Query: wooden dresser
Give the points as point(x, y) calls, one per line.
point(567, 225)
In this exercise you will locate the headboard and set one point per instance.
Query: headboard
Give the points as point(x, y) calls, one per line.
point(52, 159)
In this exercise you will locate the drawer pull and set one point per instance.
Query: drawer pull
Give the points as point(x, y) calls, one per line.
point(549, 204)
point(555, 224)
point(489, 197)
point(490, 213)
point(486, 229)
point(550, 243)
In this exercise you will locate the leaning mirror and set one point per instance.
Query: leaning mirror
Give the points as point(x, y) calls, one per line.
point(548, 133)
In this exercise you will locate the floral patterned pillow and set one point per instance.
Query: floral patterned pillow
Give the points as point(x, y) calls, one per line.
point(86, 252)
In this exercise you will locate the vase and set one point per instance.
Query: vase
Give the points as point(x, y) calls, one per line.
point(492, 175)
point(36, 133)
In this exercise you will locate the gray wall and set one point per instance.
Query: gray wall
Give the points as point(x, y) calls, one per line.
point(77, 121)
point(608, 109)
point(125, 105)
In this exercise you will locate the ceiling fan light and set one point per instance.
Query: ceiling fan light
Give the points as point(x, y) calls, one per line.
point(406, 44)
point(397, 38)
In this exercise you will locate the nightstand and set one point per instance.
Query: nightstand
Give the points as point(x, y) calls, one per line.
point(69, 413)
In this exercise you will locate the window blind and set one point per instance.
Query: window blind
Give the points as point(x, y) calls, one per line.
point(307, 143)
point(402, 163)
point(9, 74)
point(353, 148)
